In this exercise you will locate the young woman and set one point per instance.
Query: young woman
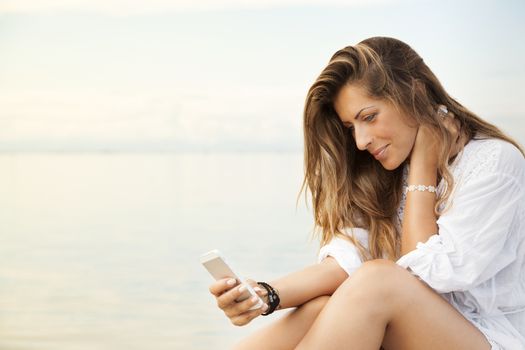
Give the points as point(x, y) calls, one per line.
point(420, 205)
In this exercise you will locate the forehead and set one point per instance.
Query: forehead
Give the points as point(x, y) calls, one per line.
point(350, 100)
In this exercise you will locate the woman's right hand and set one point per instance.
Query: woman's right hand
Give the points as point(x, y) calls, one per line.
point(227, 290)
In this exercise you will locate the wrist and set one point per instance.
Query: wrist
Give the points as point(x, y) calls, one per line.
point(422, 174)
point(271, 298)
point(423, 164)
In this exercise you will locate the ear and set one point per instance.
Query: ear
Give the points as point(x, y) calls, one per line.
point(443, 112)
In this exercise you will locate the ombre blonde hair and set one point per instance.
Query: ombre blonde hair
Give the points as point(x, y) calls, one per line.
point(348, 187)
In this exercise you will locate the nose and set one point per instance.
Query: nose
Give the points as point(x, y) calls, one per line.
point(362, 138)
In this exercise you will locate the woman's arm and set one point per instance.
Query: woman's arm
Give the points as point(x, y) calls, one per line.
point(299, 287)
point(473, 242)
point(419, 219)
point(294, 289)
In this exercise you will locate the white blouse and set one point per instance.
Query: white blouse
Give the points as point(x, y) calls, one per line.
point(476, 261)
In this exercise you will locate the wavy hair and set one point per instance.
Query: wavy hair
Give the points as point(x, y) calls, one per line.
point(348, 187)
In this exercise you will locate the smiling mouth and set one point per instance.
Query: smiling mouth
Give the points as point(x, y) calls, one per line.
point(380, 152)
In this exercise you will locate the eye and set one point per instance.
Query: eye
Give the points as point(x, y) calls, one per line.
point(370, 117)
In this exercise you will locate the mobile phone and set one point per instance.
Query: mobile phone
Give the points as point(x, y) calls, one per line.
point(217, 266)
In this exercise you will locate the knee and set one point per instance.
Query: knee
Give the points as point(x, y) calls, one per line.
point(376, 271)
point(375, 278)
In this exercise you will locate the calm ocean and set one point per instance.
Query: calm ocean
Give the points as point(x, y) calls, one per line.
point(101, 251)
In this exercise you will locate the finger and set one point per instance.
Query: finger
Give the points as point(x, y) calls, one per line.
point(260, 291)
point(247, 317)
point(227, 298)
point(453, 127)
point(223, 285)
point(450, 123)
point(242, 307)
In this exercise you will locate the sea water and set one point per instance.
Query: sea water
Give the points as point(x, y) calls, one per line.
point(101, 250)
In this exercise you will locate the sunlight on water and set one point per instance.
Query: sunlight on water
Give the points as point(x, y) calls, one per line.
point(101, 251)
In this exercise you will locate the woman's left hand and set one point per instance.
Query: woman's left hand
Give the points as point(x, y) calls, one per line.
point(427, 145)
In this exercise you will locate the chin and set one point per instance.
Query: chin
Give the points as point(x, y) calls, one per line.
point(390, 165)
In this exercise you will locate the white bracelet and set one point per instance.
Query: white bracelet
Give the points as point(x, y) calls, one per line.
point(420, 188)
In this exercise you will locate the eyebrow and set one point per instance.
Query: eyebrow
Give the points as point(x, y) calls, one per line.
point(357, 115)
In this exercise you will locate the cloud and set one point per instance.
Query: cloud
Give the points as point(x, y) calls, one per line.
point(138, 7)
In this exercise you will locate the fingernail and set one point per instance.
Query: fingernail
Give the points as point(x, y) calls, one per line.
point(242, 288)
point(257, 289)
point(254, 299)
point(265, 307)
point(231, 282)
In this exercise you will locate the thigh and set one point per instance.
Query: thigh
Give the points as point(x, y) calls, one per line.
point(287, 331)
point(382, 304)
point(422, 319)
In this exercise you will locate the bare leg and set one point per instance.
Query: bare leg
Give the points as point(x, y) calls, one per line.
point(286, 332)
point(383, 304)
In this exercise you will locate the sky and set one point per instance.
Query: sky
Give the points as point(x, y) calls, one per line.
point(217, 75)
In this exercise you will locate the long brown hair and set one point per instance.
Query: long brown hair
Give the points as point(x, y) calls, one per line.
point(349, 188)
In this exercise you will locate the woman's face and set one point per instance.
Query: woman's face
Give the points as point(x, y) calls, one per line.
point(376, 125)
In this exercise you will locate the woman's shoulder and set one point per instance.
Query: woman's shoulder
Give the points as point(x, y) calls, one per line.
point(491, 155)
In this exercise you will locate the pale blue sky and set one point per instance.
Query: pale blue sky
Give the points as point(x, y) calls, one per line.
point(227, 75)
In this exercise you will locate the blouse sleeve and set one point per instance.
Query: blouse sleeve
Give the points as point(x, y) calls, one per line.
point(345, 252)
point(472, 234)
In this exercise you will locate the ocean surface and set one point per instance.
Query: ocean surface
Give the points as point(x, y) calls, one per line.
point(101, 250)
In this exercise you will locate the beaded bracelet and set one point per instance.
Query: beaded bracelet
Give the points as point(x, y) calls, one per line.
point(273, 298)
point(420, 188)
